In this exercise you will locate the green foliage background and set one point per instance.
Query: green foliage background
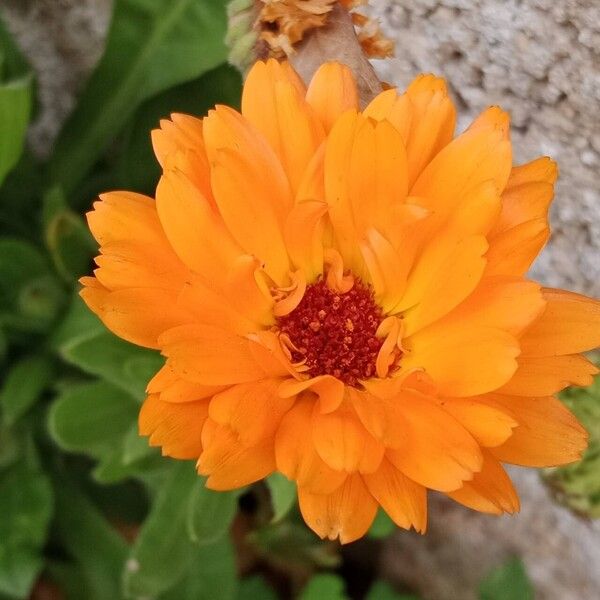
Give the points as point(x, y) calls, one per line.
point(87, 509)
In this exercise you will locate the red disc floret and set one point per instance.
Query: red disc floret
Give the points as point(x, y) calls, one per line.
point(333, 333)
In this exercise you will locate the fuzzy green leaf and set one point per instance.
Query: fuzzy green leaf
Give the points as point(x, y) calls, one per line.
point(92, 418)
point(24, 384)
point(210, 513)
point(162, 551)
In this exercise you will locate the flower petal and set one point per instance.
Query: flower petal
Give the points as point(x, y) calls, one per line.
point(138, 315)
point(343, 443)
point(548, 433)
point(228, 463)
point(212, 356)
point(436, 451)
point(402, 499)
point(462, 360)
point(176, 428)
point(272, 102)
point(490, 491)
point(502, 302)
point(296, 455)
point(489, 426)
point(570, 324)
point(194, 229)
point(332, 91)
point(346, 513)
point(329, 390)
point(251, 410)
point(482, 153)
point(546, 375)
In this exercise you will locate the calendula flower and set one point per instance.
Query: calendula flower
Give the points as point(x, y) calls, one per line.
point(341, 297)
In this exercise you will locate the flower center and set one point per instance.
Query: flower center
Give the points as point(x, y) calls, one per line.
point(333, 333)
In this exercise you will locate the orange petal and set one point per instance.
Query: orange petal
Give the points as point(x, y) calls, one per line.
point(436, 450)
point(212, 356)
point(127, 216)
point(371, 156)
point(388, 269)
point(456, 278)
point(513, 251)
point(462, 360)
point(542, 169)
point(490, 491)
point(125, 264)
point(176, 428)
point(443, 234)
point(304, 237)
point(346, 513)
point(502, 302)
point(389, 106)
point(570, 324)
point(251, 410)
point(381, 417)
point(432, 124)
point(489, 426)
point(196, 232)
point(332, 91)
point(172, 388)
point(546, 375)
point(528, 194)
point(343, 443)
point(548, 433)
point(228, 463)
point(245, 201)
point(179, 144)
point(329, 389)
point(482, 153)
point(296, 455)
point(138, 315)
point(402, 499)
point(181, 132)
point(272, 102)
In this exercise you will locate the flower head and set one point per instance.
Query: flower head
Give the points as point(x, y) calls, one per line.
point(341, 296)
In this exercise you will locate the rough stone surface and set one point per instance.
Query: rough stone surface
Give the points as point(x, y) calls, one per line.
point(63, 40)
point(540, 59)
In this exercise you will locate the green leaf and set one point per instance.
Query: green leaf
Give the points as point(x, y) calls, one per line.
point(24, 384)
point(151, 47)
point(78, 324)
point(16, 98)
point(283, 495)
point(210, 513)
point(322, 586)
point(381, 590)
point(92, 418)
point(507, 582)
point(16, 101)
point(30, 296)
point(211, 574)
point(67, 237)
point(99, 551)
point(162, 551)
point(255, 588)
point(25, 509)
point(382, 526)
point(137, 166)
point(118, 362)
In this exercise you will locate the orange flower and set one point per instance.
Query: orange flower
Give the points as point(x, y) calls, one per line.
point(341, 296)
